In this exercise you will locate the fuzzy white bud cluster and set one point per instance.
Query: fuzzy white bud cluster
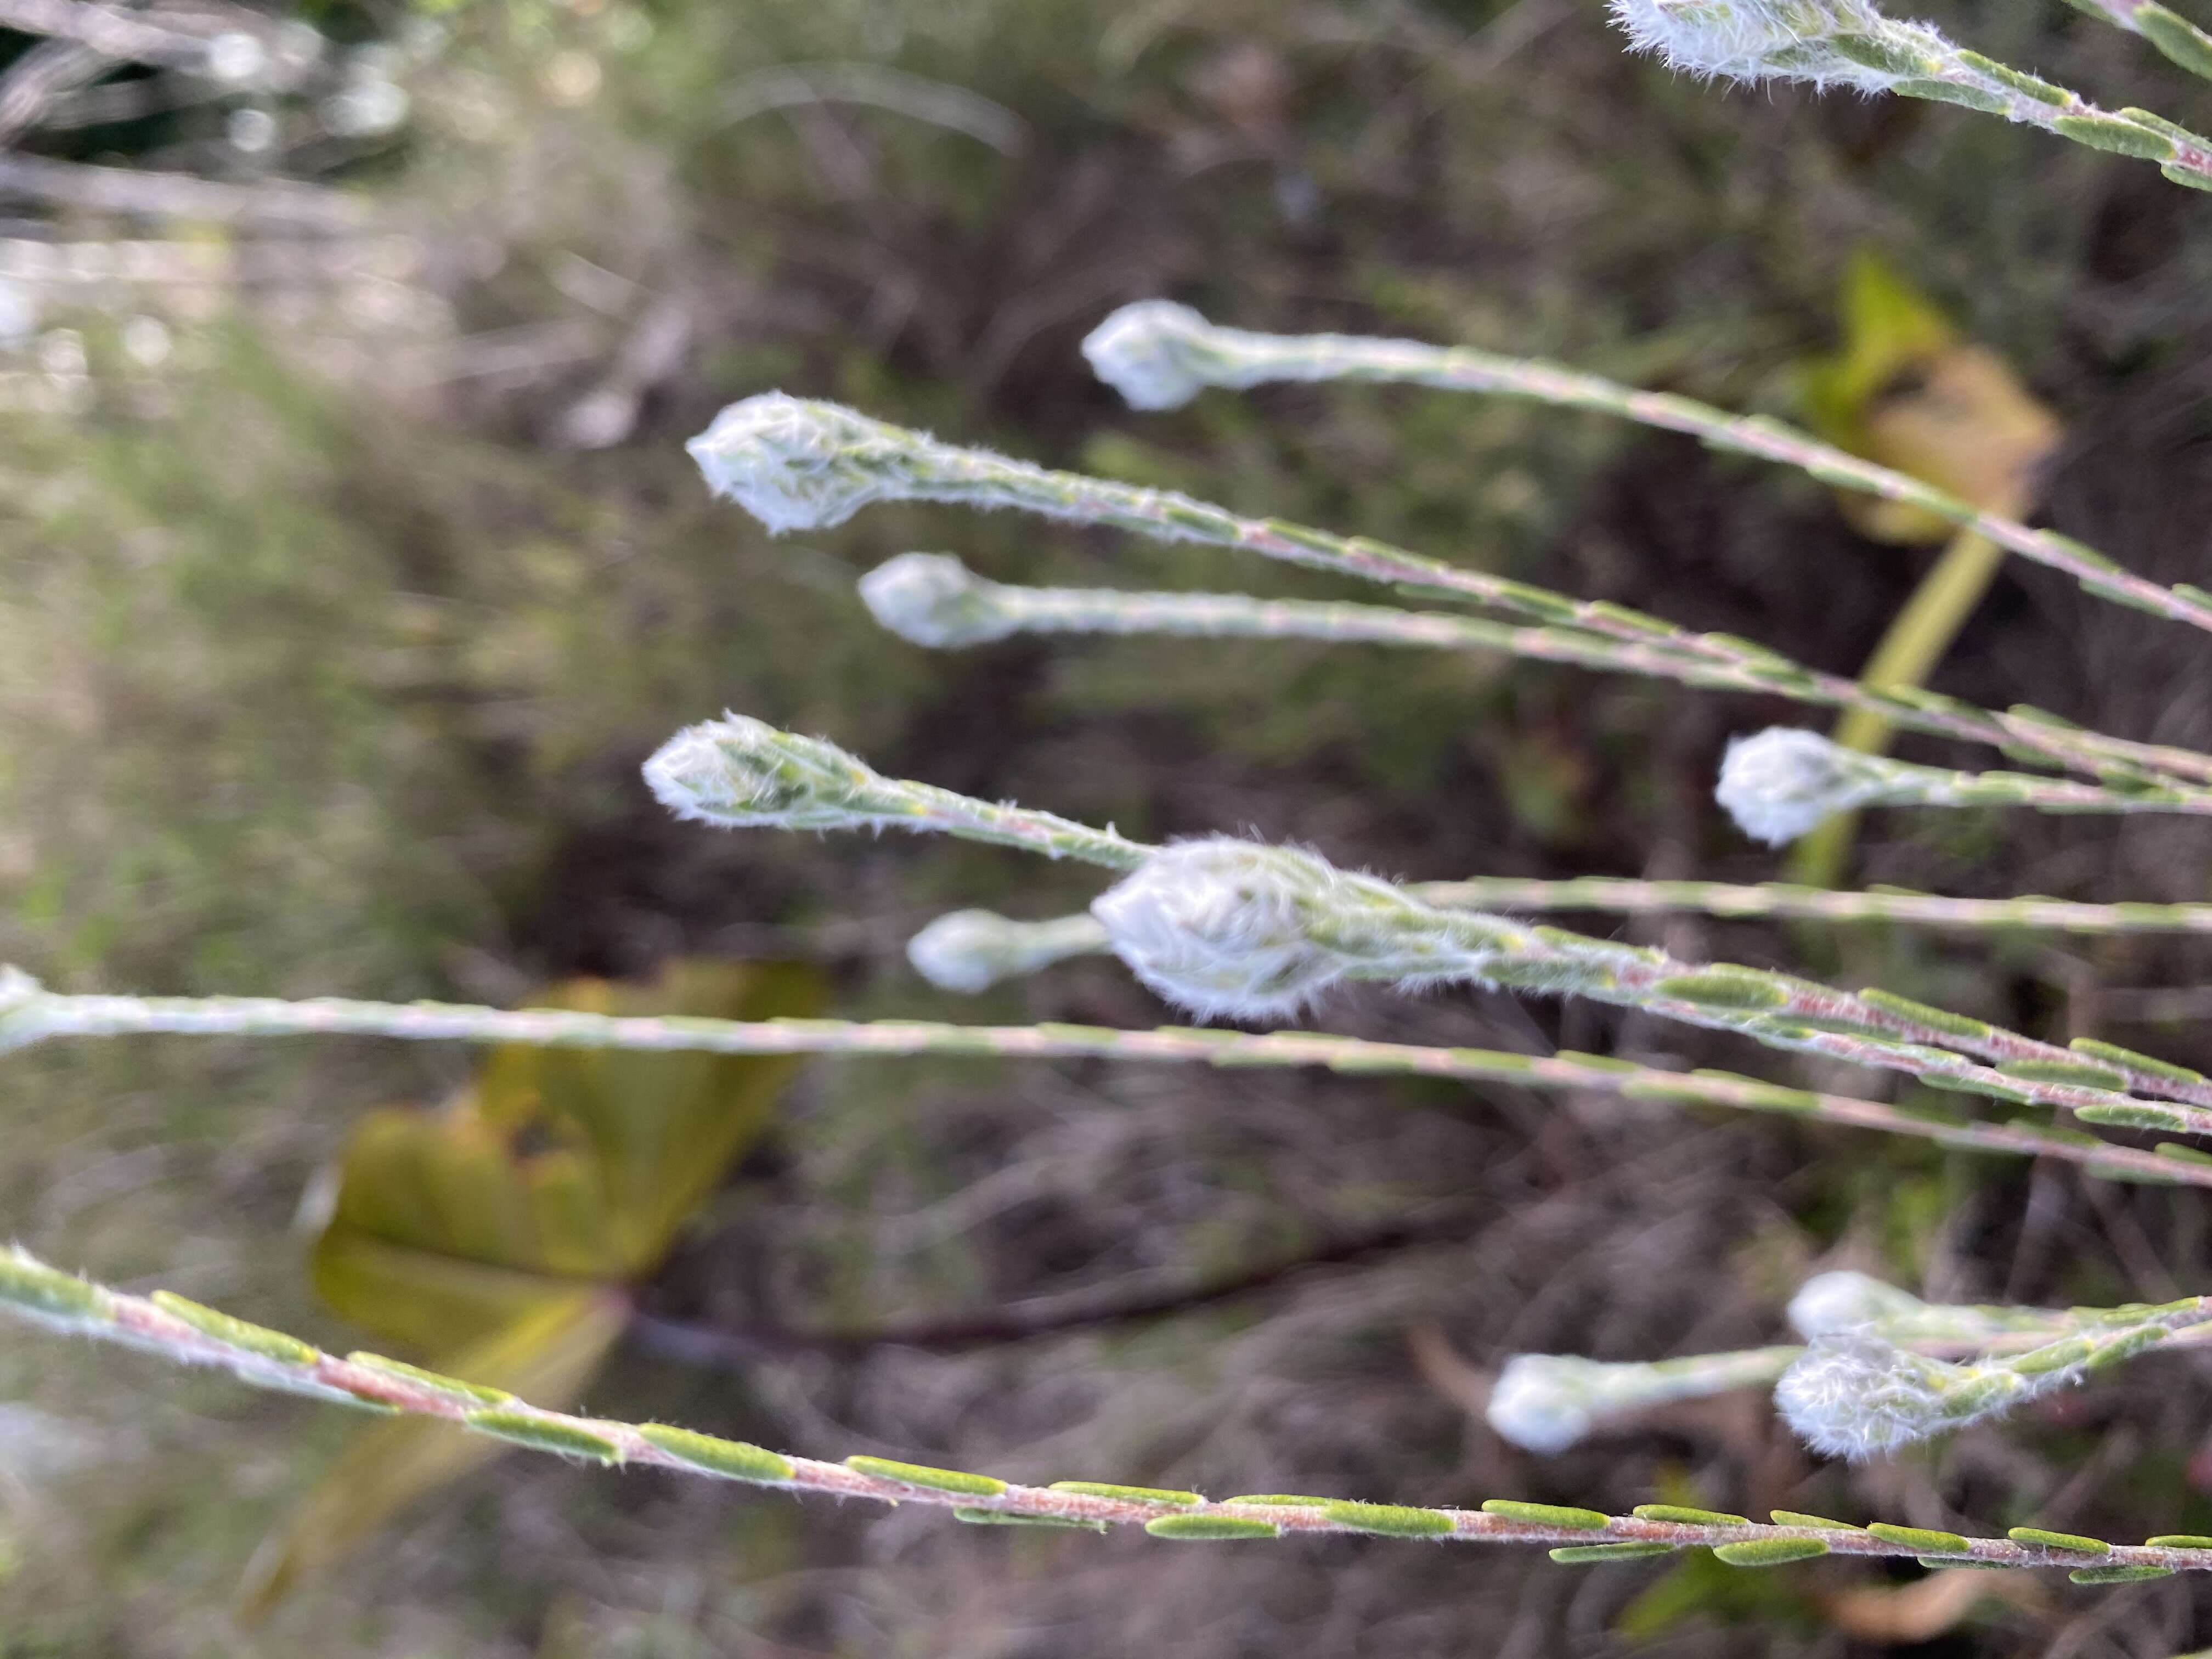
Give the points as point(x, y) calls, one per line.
point(1237, 928)
point(933, 599)
point(1784, 781)
point(1853, 1396)
point(1825, 42)
point(742, 773)
point(797, 464)
point(1148, 351)
point(1843, 1301)
point(1222, 927)
point(971, 950)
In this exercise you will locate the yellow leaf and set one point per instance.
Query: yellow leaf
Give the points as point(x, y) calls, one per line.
point(503, 1230)
point(1905, 391)
point(546, 1354)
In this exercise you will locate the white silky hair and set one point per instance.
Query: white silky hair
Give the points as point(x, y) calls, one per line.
point(1785, 780)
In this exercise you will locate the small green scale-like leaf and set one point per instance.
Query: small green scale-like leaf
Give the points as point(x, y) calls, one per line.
point(232, 1332)
point(1681, 1515)
point(2129, 1059)
point(1951, 92)
point(1546, 1515)
point(920, 1474)
point(1390, 1520)
point(415, 1374)
point(546, 1434)
point(45, 1290)
point(1723, 988)
point(734, 1459)
point(1939, 1019)
point(2122, 138)
point(2121, 1575)
point(1632, 1550)
point(1922, 1540)
point(2123, 1348)
point(2054, 1355)
point(1769, 1552)
point(2179, 1540)
point(2037, 1537)
point(2134, 1116)
point(2078, 1075)
point(1218, 1527)
point(1793, 1519)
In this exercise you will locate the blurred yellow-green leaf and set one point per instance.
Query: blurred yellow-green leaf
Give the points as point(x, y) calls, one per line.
point(497, 1236)
point(1904, 391)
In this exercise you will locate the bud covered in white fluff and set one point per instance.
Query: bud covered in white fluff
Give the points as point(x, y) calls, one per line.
point(1783, 782)
point(1853, 1396)
point(741, 773)
point(1222, 927)
point(971, 950)
point(1147, 351)
point(933, 599)
point(1543, 1402)
point(1825, 42)
point(19, 998)
point(797, 463)
point(1843, 1300)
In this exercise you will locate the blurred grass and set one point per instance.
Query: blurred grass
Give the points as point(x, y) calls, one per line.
point(331, 673)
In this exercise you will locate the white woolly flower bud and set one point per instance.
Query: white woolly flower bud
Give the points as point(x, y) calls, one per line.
point(740, 772)
point(20, 998)
point(1842, 1301)
point(971, 950)
point(1546, 1402)
point(795, 464)
point(1543, 1402)
point(1145, 351)
point(1783, 782)
point(1825, 42)
point(933, 599)
point(1222, 927)
point(1856, 1396)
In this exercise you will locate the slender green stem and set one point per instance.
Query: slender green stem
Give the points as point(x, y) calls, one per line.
point(1631, 897)
point(1161, 350)
point(933, 599)
point(35, 1015)
point(184, 1332)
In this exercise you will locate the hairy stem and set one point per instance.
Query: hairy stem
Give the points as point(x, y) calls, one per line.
point(185, 1333)
point(50, 1016)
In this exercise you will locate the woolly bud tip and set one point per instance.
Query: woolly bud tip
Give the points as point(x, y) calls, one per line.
point(933, 599)
point(1221, 927)
point(742, 773)
point(1851, 1395)
point(1546, 1402)
point(1150, 352)
point(795, 464)
point(1827, 42)
point(20, 998)
point(1782, 783)
point(1842, 1301)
